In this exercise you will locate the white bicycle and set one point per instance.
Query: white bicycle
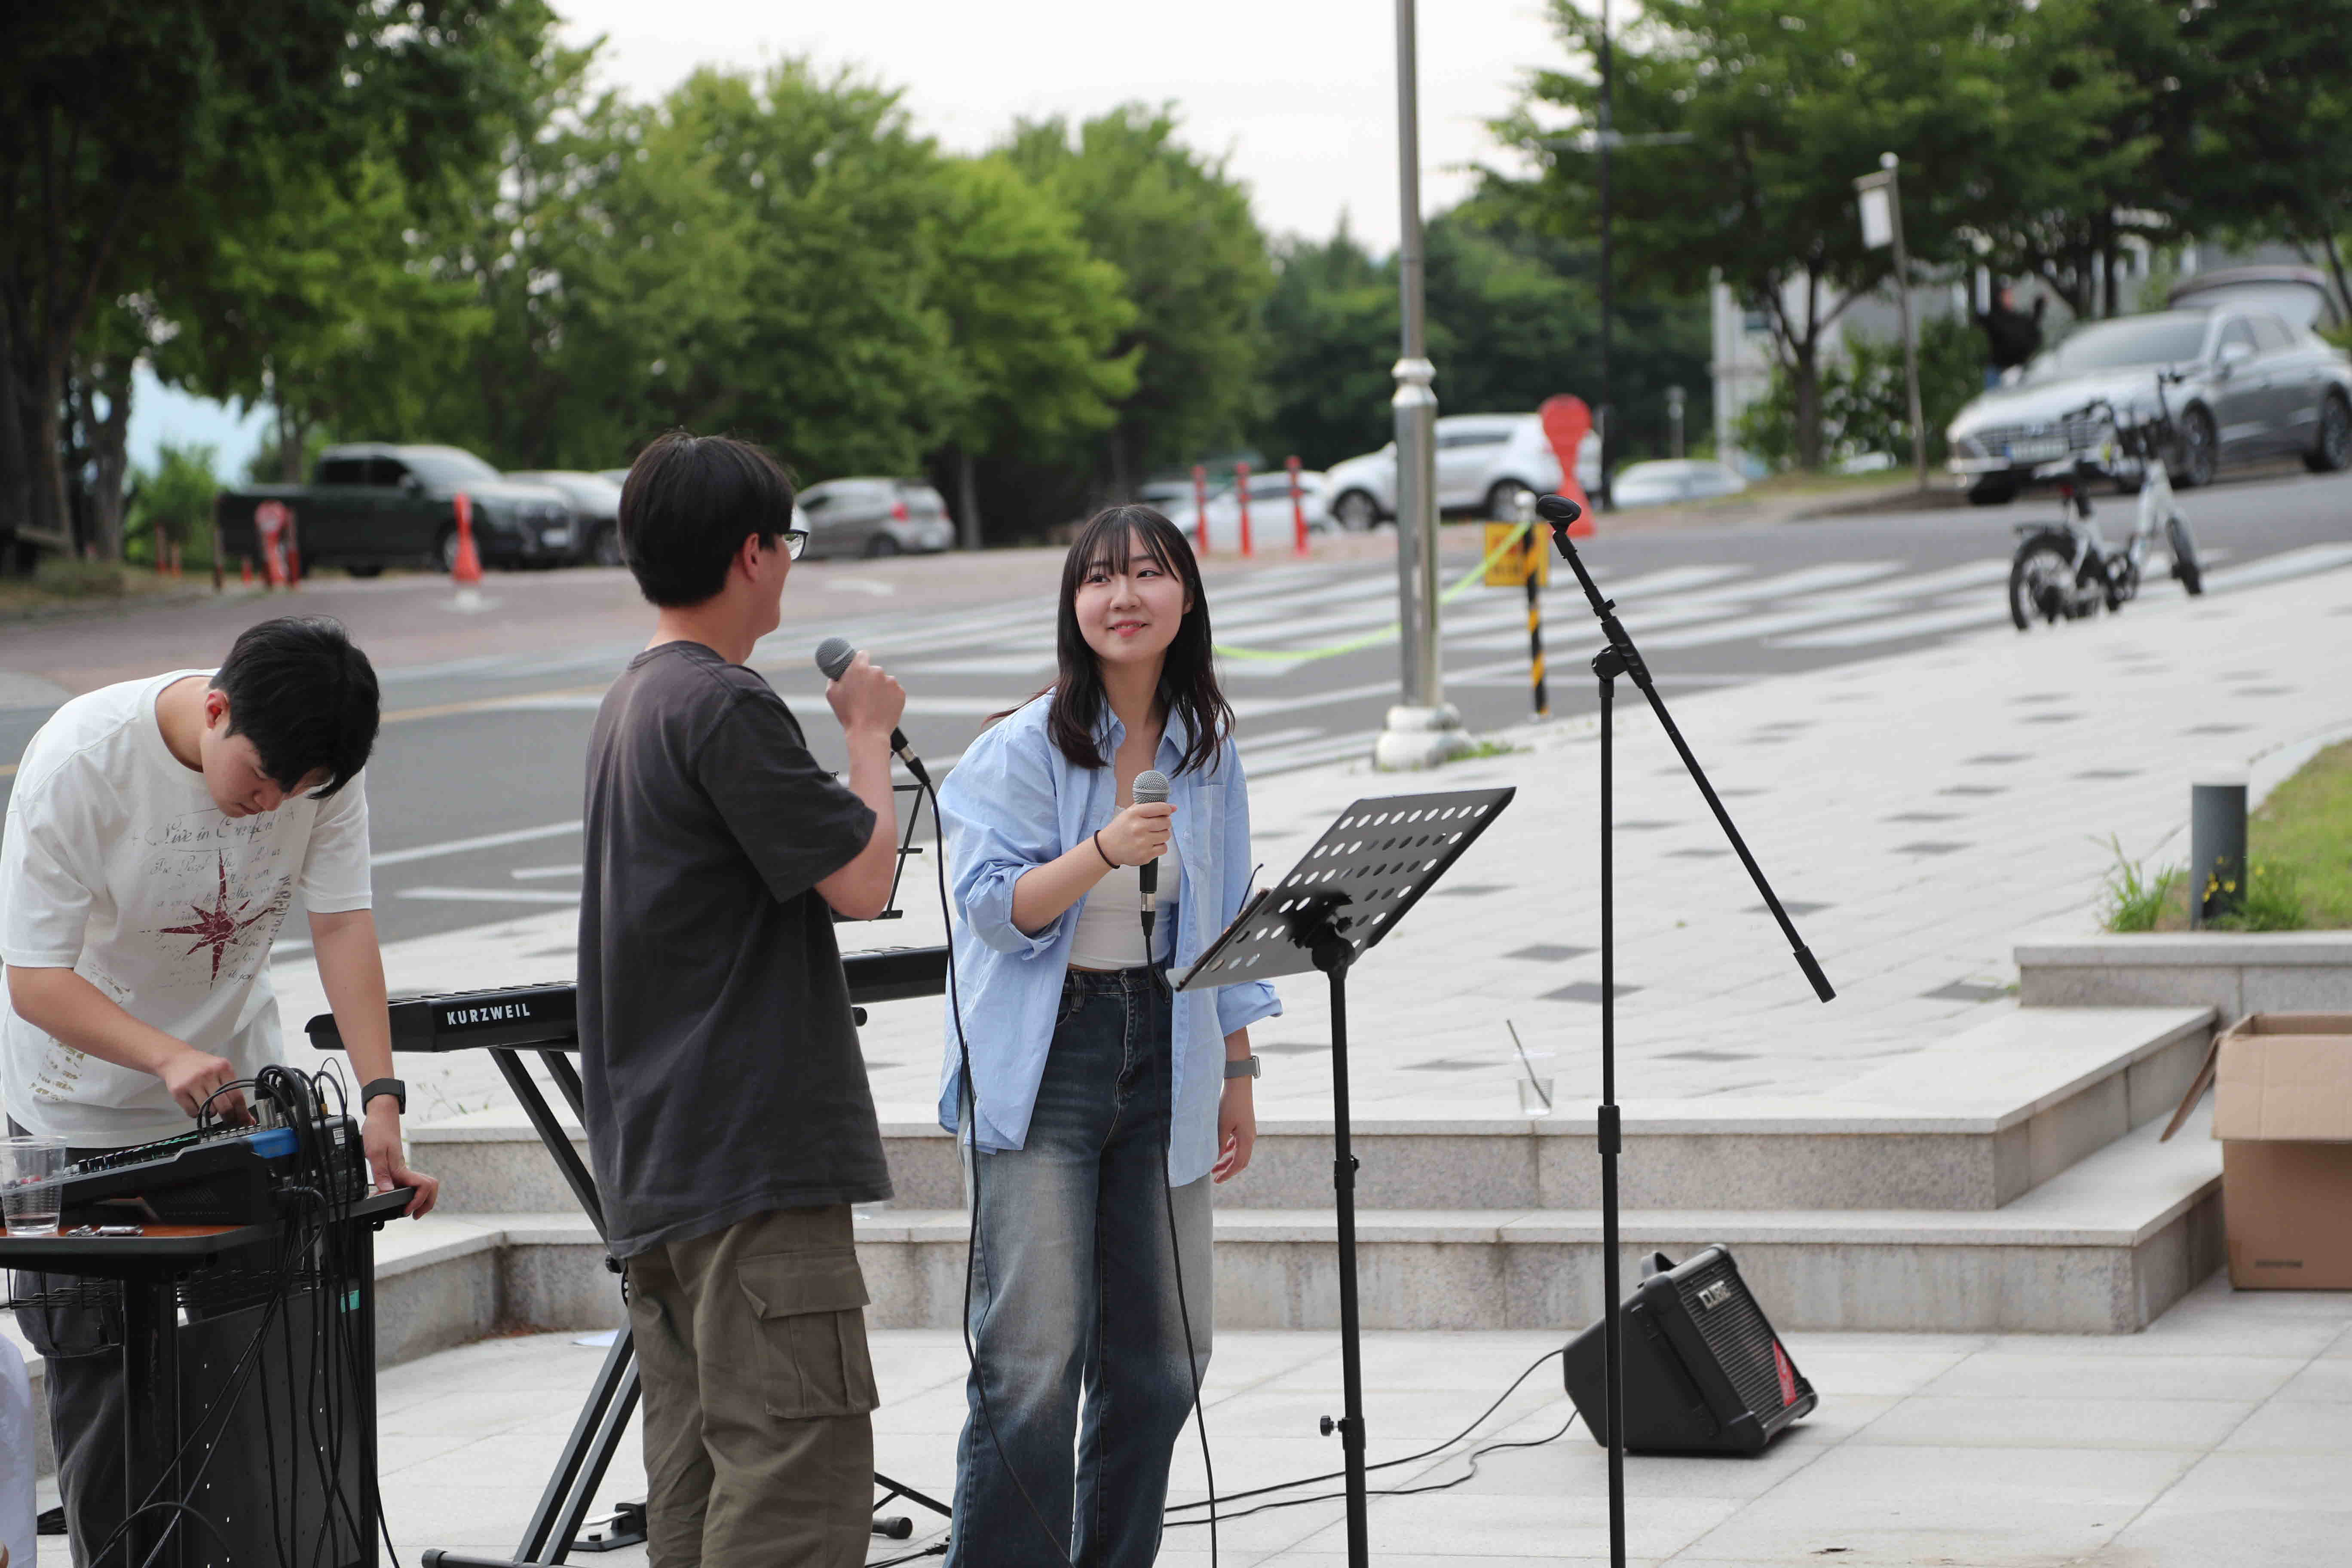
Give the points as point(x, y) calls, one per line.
point(2067, 571)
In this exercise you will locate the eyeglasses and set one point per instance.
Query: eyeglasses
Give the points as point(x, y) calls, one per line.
point(796, 541)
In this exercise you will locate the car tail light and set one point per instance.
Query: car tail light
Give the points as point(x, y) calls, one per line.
point(899, 510)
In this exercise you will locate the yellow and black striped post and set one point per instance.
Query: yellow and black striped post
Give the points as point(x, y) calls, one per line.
point(1534, 548)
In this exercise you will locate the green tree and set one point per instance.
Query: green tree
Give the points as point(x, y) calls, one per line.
point(1330, 337)
point(1864, 405)
point(1784, 107)
point(130, 134)
point(1034, 315)
point(2268, 86)
point(171, 505)
point(1513, 319)
point(1179, 228)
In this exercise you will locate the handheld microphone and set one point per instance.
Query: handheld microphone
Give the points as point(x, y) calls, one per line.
point(1150, 789)
point(834, 657)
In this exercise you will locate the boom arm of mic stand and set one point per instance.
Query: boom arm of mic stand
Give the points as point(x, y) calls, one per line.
point(1627, 660)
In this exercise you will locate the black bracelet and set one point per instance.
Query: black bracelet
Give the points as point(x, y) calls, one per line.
point(1103, 852)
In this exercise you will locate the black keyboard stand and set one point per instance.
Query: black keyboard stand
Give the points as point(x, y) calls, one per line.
point(554, 1530)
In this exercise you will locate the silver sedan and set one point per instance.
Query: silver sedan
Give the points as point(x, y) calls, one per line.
point(2250, 387)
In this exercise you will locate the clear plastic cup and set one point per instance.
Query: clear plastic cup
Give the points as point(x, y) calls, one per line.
point(31, 1172)
point(1535, 1096)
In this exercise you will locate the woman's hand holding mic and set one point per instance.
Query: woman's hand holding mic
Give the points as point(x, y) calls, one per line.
point(1138, 833)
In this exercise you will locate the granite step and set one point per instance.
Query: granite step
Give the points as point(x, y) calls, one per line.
point(1971, 1122)
point(2103, 1248)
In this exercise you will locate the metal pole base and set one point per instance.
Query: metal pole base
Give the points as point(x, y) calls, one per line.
point(1417, 738)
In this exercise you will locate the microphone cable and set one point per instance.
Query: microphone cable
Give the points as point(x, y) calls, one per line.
point(1429, 1452)
point(1175, 1242)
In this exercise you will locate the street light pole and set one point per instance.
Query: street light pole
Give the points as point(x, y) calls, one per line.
point(1606, 414)
point(1423, 730)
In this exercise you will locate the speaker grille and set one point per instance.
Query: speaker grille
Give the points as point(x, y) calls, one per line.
point(1728, 1319)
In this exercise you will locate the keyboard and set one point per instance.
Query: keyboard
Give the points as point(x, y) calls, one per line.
point(546, 1016)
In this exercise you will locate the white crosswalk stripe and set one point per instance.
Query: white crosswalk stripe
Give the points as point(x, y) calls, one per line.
point(1294, 613)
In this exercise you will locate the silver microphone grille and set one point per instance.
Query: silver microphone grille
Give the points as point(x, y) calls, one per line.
point(835, 654)
point(1151, 787)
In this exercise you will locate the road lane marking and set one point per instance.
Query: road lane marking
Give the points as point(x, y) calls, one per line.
point(488, 894)
point(485, 841)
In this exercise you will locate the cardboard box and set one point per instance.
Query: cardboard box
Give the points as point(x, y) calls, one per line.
point(2283, 1110)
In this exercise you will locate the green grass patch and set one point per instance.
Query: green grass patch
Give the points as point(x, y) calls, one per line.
point(2136, 899)
point(2300, 846)
point(2301, 843)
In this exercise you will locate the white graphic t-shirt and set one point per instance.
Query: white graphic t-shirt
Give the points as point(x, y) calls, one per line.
point(115, 863)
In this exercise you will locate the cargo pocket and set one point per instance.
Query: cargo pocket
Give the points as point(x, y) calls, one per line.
point(811, 1307)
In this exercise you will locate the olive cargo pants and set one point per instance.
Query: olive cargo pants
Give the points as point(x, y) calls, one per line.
point(752, 1351)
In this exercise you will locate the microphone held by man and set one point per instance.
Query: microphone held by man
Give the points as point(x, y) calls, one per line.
point(835, 657)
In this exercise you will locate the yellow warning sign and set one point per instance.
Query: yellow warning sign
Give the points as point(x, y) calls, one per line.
point(1508, 568)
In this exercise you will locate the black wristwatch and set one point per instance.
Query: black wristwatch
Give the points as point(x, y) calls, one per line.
point(391, 1086)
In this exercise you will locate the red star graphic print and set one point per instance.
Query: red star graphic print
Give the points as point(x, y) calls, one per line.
point(217, 927)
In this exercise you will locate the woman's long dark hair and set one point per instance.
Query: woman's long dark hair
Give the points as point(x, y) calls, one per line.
point(1188, 681)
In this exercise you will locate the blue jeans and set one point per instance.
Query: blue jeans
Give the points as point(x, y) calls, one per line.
point(1074, 1316)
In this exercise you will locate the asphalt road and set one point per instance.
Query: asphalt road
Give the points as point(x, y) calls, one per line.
point(475, 791)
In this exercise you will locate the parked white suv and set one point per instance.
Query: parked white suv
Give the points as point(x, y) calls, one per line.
point(1482, 458)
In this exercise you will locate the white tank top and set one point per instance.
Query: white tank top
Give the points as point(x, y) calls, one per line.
point(1110, 923)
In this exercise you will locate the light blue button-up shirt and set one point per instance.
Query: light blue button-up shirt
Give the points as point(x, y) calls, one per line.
point(1014, 802)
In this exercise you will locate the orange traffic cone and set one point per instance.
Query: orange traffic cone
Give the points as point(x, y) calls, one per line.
point(465, 571)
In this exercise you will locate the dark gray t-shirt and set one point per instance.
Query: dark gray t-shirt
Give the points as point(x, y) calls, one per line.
point(720, 1060)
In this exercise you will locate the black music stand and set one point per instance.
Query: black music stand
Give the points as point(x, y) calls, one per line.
point(1621, 658)
point(1345, 894)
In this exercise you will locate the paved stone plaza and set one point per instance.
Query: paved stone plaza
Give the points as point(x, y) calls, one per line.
point(1920, 814)
point(2220, 1436)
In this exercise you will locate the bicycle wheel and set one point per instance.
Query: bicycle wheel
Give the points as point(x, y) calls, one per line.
point(2184, 555)
point(2041, 581)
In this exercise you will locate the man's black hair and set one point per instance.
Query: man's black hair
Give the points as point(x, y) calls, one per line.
point(305, 697)
point(689, 503)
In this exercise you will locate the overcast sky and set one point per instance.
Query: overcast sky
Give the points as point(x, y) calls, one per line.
point(1300, 94)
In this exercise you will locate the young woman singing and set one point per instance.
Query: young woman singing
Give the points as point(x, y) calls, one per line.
point(1100, 1107)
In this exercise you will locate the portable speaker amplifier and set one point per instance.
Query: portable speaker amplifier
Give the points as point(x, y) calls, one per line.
point(1704, 1372)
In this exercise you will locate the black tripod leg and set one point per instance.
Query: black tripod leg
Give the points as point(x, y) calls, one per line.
point(553, 1134)
point(1343, 1181)
point(586, 1453)
point(1613, 1349)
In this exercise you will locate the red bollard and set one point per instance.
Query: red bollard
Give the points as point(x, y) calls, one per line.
point(467, 570)
point(272, 518)
point(1241, 493)
point(1298, 507)
point(1201, 509)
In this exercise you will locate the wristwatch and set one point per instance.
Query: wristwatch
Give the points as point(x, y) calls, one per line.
point(1243, 1066)
point(391, 1086)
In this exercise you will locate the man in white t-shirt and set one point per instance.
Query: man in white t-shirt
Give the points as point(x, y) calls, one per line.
point(156, 836)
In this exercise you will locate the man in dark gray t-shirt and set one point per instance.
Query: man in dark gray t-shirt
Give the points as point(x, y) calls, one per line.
point(729, 1122)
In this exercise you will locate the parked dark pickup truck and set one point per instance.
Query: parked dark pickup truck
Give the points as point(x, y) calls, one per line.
point(372, 506)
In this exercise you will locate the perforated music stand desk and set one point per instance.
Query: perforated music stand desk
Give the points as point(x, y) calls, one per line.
point(1345, 894)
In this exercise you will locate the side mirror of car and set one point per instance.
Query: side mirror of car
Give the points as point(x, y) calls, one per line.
point(412, 484)
point(2235, 354)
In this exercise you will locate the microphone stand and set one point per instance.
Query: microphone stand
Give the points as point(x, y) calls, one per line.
point(1621, 658)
